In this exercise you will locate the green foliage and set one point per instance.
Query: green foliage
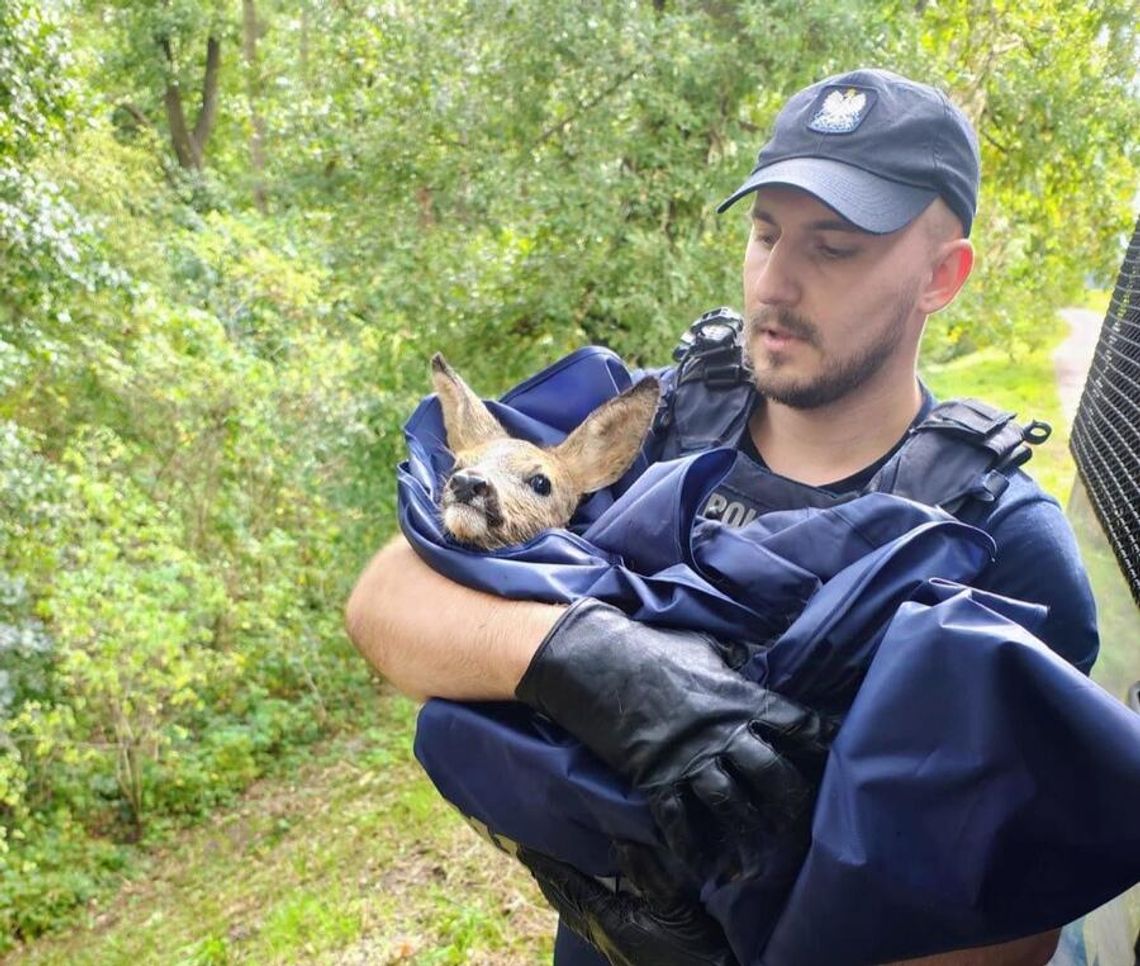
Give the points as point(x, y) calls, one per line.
point(200, 404)
point(36, 88)
point(1052, 92)
point(56, 866)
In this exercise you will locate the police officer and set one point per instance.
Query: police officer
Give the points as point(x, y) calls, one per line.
point(862, 205)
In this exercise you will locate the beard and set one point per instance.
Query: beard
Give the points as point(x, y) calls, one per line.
point(839, 375)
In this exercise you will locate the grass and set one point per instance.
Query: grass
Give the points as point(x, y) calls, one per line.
point(354, 859)
point(1118, 618)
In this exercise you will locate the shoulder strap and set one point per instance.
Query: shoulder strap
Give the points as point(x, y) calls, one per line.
point(964, 450)
point(709, 394)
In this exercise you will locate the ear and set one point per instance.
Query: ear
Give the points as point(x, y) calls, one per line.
point(602, 448)
point(952, 265)
point(467, 420)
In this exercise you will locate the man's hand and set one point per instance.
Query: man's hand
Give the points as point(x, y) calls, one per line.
point(660, 926)
point(729, 768)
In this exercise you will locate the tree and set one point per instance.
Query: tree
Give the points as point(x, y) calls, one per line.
point(190, 144)
point(164, 48)
point(1051, 90)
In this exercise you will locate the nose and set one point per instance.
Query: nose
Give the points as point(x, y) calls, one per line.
point(769, 275)
point(465, 485)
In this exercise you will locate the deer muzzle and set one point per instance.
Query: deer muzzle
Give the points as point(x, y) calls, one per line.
point(474, 491)
point(465, 486)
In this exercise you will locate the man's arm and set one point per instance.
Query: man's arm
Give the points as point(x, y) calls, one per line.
point(432, 637)
point(1038, 560)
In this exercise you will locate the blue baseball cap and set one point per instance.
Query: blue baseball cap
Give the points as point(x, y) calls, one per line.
point(874, 146)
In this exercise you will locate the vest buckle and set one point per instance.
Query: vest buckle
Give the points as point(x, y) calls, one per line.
point(990, 487)
point(724, 376)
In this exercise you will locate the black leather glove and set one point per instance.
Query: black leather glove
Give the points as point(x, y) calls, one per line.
point(729, 768)
point(659, 927)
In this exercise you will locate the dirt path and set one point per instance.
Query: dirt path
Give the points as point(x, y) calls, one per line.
point(1074, 356)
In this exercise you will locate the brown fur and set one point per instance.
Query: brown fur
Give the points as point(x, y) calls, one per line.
point(507, 509)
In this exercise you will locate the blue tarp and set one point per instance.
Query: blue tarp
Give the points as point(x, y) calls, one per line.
point(980, 788)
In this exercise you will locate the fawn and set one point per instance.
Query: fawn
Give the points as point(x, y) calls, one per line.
point(504, 490)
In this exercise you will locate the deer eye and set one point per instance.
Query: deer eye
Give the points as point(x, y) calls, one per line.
point(540, 484)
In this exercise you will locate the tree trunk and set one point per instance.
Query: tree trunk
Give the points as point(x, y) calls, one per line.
point(208, 113)
point(190, 146)
point(176, 118)
point(253, 92)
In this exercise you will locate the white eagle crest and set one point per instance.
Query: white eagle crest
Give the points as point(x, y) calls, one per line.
point(840, 112)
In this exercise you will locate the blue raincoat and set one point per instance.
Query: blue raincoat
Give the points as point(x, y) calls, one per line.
point(980, 788)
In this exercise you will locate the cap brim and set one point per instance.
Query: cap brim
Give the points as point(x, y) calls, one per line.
point(869, 202)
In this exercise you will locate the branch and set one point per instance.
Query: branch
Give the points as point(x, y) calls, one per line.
point(997, 144)
point(135, 112)
point(583, 108)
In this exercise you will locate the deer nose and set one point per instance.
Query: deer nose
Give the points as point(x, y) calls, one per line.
point(465, 485)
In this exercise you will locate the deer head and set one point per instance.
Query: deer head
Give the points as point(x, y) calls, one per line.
point(504, 490)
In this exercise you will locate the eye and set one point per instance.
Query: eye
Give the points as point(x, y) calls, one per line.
point(540, 484)
point(835, 253)
point(763, 235)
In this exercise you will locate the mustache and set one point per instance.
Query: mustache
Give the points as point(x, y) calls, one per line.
point(784, 320)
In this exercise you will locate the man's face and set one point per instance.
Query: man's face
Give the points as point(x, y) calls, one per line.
point(828, 307)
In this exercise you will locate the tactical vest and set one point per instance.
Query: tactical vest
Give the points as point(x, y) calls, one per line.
point(961, 455)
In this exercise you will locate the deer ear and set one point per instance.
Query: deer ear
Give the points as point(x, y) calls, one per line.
point(467, 420)
point(606, 443)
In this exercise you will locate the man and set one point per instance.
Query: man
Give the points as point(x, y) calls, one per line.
point(862, 204)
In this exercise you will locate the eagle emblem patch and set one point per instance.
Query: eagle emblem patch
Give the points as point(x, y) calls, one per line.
point(841, 110)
